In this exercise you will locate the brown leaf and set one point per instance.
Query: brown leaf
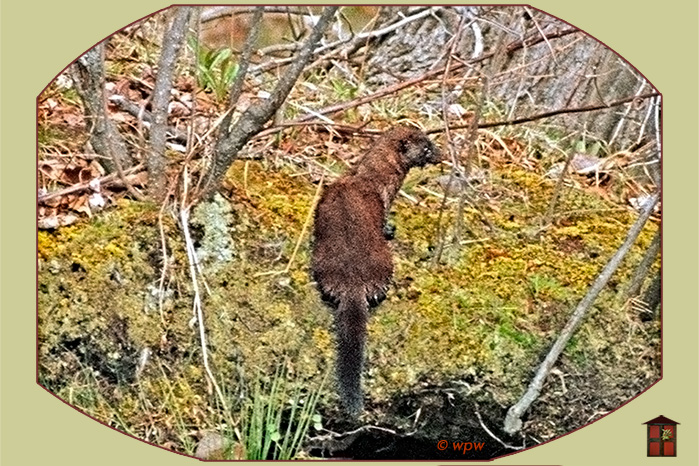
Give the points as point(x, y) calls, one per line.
point(73, 119)
point(122, 86)
point(185, 83)
point(81, 204)
point(97, 168)
point(494, 253)
point(178, 109)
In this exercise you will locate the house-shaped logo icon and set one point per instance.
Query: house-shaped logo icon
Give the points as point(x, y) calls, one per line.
point(662, 437)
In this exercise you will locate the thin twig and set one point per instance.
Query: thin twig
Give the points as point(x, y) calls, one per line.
point(338, 435)
point(244, 64)
point(622, 119)
point(337, 127)
point(440, 236)
point(163, 273)
point(535, 39)
point(215, 13)
point(557, 190)
point(122, 176)
point(542, 35)
point(163, 245)
point(197, 306)
point(560, 111)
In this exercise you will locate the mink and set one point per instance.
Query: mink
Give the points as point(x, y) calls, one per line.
point(351, 261)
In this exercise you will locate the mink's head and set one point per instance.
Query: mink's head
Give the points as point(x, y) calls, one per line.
point(414, 146)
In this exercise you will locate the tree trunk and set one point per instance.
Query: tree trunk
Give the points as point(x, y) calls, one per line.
point(87, 74)
point(173, 39)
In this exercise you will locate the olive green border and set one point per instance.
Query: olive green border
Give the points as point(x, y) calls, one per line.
point(39, 38)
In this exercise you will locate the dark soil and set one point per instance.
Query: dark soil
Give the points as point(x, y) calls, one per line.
point(447, 428)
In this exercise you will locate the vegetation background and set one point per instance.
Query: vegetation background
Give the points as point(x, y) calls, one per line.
point(92, 326)
point(669, 131)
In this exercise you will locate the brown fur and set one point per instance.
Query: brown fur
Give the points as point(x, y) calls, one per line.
point(351, 260)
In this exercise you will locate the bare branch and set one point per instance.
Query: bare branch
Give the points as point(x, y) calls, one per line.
point(87, 74)
point(642, 270)
point(513, 421)
point(254, 118)
point(351, 44)
point(172, 43)
point(108, 180)
point(560, 111)
point(389, 90)
point(535, 39)
point(215, 13)
point(237, 87)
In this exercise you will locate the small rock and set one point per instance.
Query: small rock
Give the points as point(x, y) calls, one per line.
point(54, 266)
point(212, 446)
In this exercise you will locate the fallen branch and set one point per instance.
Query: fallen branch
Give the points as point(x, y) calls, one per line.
point(513, 420)
point(133, 109)
point(644, 266)
point(489, 432)
point(108, 180)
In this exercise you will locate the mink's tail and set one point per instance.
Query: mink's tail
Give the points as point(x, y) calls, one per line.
point(351, 319)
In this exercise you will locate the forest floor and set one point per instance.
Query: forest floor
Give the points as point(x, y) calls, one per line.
point(453, 346)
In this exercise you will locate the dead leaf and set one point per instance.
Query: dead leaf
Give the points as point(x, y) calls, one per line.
point(81, 204)
point(178, 109)
point(73, 119)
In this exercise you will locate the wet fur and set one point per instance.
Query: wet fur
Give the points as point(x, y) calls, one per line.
point(351, 260)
